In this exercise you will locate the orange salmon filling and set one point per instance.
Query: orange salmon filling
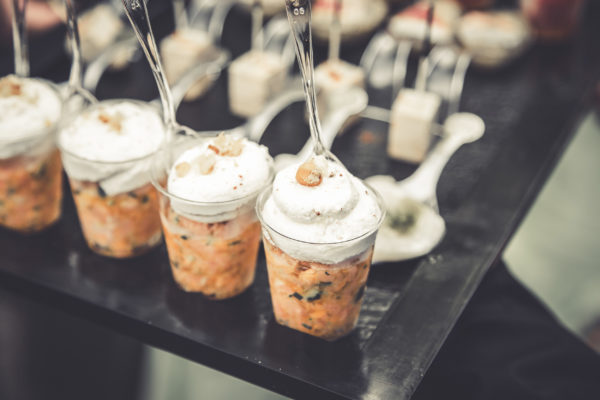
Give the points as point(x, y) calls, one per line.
point(319, 299)
point(123, 225)
point(30, 191)
point(217, 259)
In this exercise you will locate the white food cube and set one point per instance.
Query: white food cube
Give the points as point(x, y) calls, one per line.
point(335, 76)
point(182, 50)
point(98, 28)
point(254, 78)
point(413, 114)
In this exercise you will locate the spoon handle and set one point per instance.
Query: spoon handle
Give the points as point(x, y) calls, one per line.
point(76, 75)
point(423, 70)
point(424, 180)
point(19, 33)
point(257, 28)
point(180, 14)
point(137, 12)
point(335, 31)
point(299, 17)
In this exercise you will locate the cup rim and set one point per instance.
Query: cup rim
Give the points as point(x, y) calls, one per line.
point(100, 103)
point(263, 197)
point(241, 199)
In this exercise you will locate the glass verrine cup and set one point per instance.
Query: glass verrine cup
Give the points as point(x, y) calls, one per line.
point(30, 166)
point(212, 246)
point(116, 203)
point(320, 299)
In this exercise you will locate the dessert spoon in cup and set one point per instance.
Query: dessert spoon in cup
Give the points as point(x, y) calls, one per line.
point(76, 96)
point(19, 33)
point(299, 17)
point(413, 225)
point(137, 13)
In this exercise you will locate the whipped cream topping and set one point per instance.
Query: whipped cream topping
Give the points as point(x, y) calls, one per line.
point(111, 144)
point(29, 108)
point(215, 171)
point(338, 209)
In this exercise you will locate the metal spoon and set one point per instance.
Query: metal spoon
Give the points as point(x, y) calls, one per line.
point(349, 103)
point(413, 226)
point(19, 33)
point(76, 96)
point(137, 13)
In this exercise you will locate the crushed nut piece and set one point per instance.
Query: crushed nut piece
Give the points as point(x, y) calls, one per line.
point(182, 169)
point(227, 146)
point(113, 121)
point(206, 163)
point(10, 86)
point(309, 174)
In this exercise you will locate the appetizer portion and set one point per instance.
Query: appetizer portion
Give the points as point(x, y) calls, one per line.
point(319, 226)
point(183, 49)
point(207, 203)
point(255, 78)
point(413, 114)
point(30, 167)
point(107, 153)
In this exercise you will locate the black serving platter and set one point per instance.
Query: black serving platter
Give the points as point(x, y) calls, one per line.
point(530, 108)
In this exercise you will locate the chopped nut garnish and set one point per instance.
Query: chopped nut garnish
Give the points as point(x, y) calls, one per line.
point(206, 163)
point(227, 146)
point(214, 148)
point(309, 174)
point(10, 86)
point(182, 169)
point(113, 121)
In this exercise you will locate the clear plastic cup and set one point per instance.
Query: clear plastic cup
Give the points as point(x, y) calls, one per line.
point(31, 179)
point(322, 300)
point(124, 223)
point(212, 246)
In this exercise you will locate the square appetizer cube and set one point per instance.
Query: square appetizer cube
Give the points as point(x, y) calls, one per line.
point(254, 78)
point(182, 50)
point(413, 113)
point(98, 28)
point(334, 76)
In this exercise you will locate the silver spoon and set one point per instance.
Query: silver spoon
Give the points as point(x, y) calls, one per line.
point(19, 33)
point(413, 225)
point(137, 13)
point(349, 103)
point(76, 96)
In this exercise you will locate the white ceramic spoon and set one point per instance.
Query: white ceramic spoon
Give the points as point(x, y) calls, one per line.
point(413, 225)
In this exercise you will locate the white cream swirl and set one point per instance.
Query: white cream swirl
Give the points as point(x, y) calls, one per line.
point(29, 109)
point(112, 144)
point(217, 176)
point(326, 223)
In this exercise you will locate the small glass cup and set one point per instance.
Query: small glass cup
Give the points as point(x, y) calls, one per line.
point(552, 20)
point(31, 179)
point(212, 246)
point(322, 300)
point(124, 222)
